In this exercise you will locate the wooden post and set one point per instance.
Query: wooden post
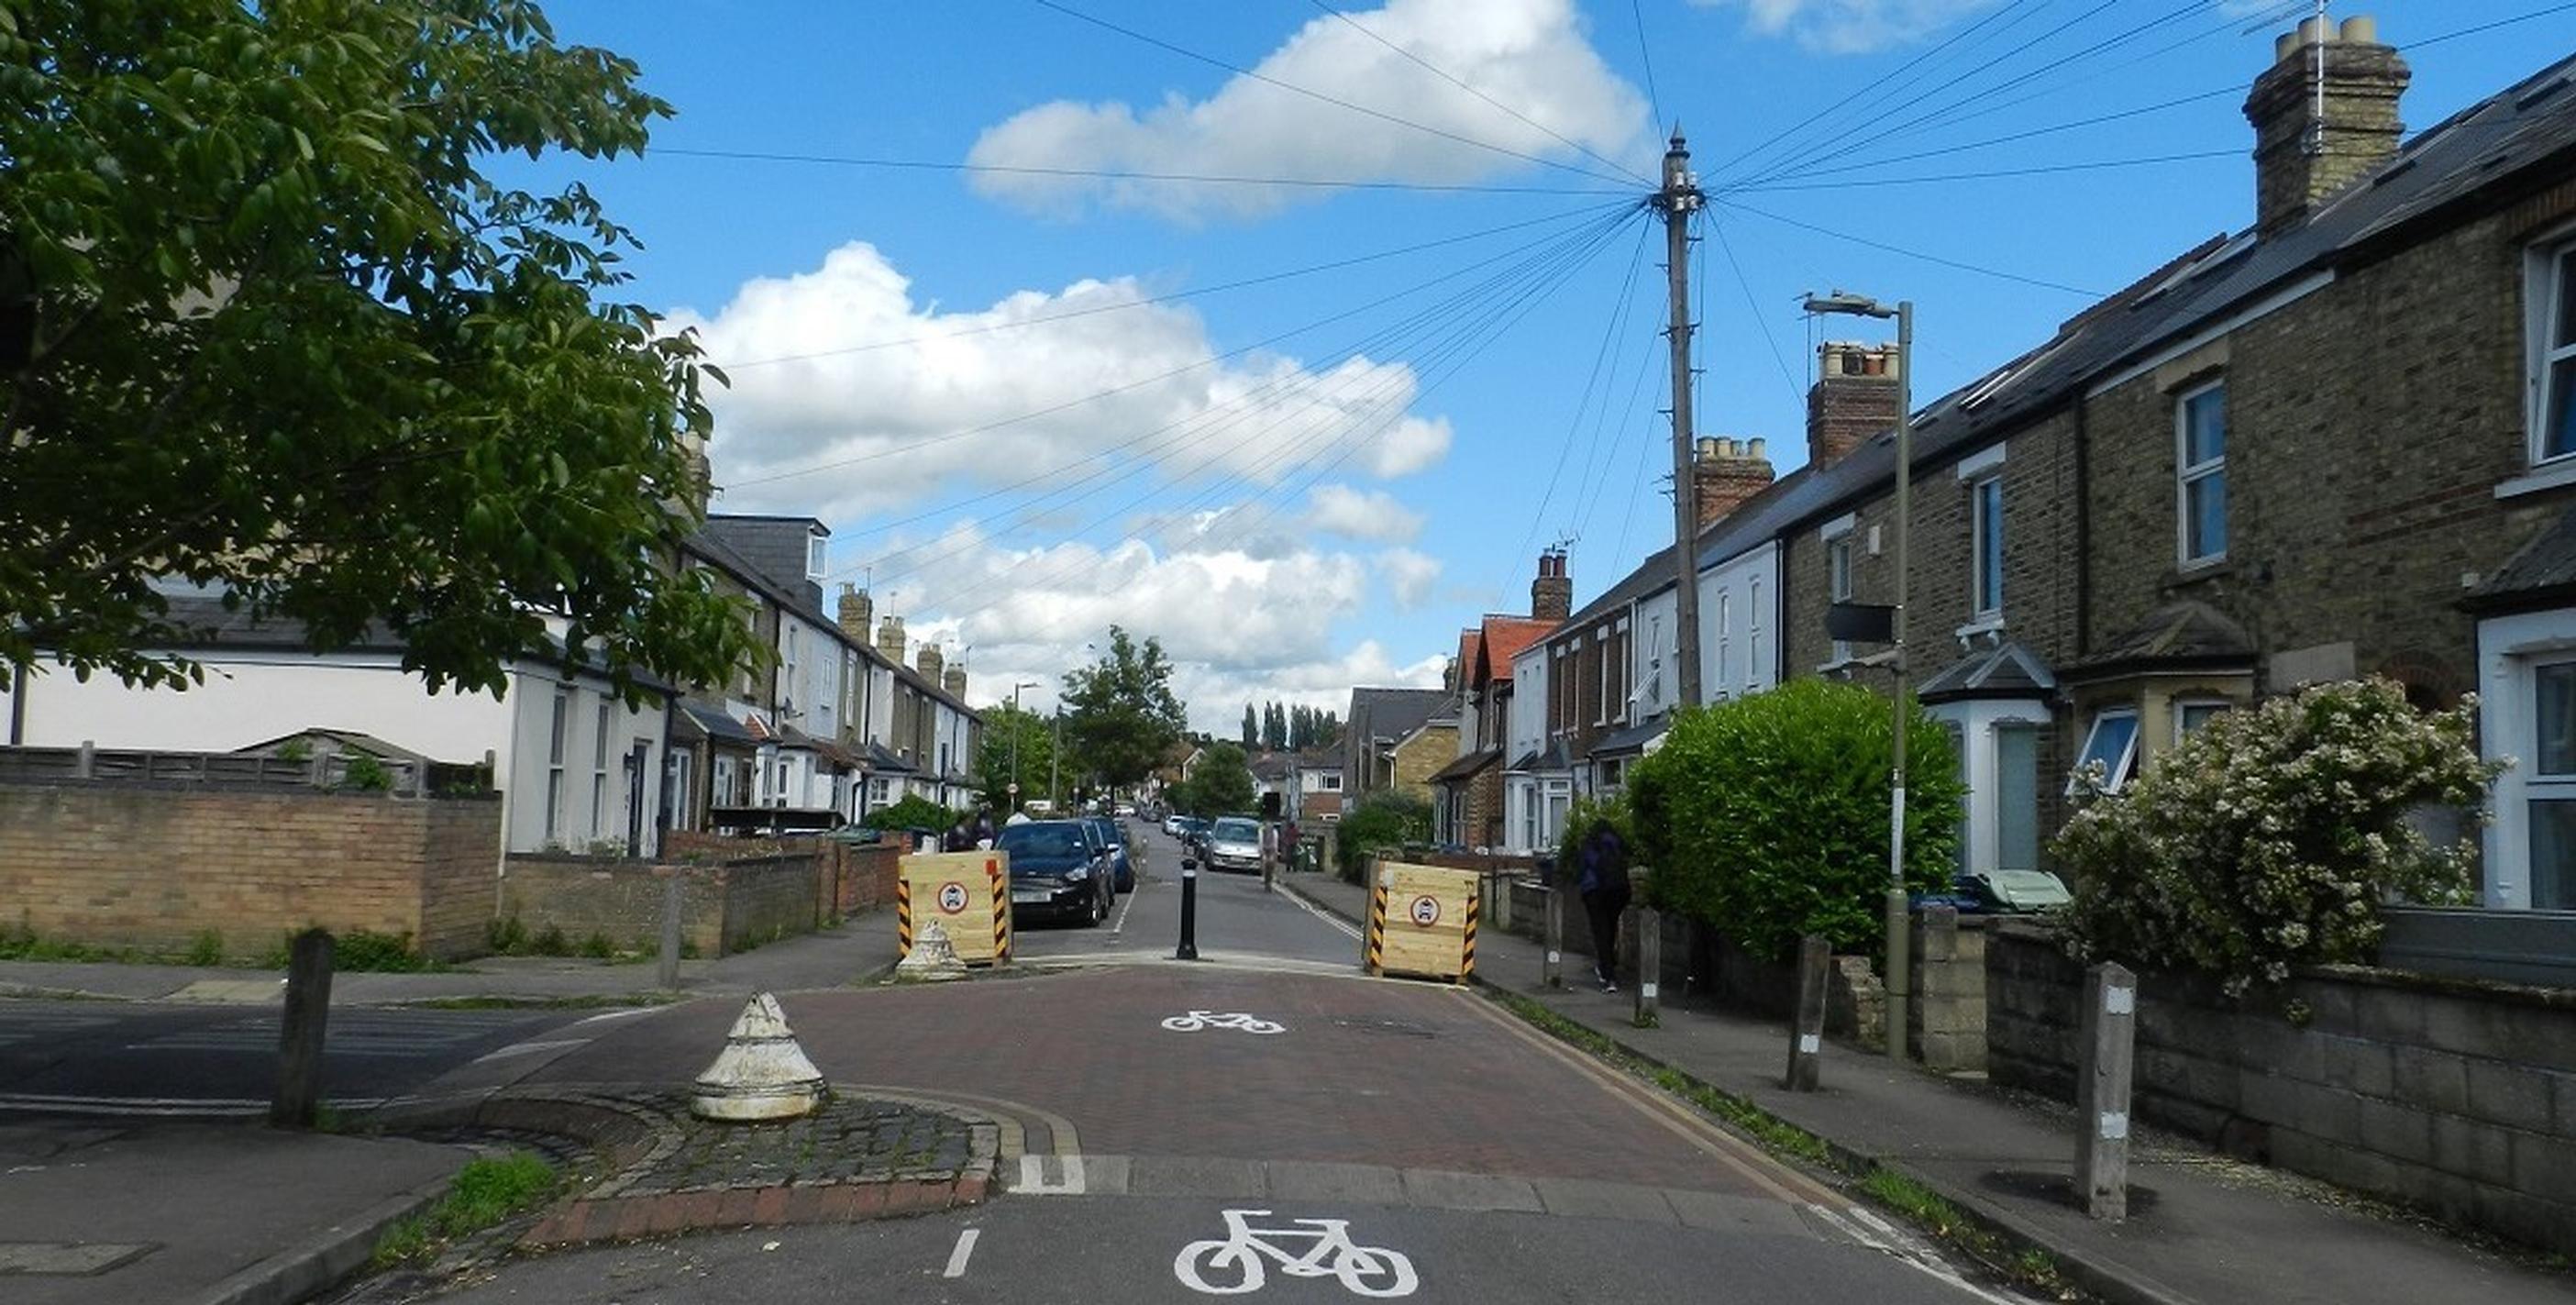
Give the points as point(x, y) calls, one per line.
point(2102, 1091)
point(1807, 1031)
point(1552, 968)
point(1650, 967)
point(300, 1031)
point(673, 898)
point(85, 763)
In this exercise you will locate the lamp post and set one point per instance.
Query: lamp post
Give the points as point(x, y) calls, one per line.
point(1015, 739)
point(1899, 981)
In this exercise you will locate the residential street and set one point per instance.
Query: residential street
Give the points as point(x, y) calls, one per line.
point(1499, 1165)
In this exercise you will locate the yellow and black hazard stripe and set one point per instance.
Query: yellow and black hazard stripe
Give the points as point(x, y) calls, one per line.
point(1001, 910)
point(1377, 929)
point(1467, 950)
point(903, 914)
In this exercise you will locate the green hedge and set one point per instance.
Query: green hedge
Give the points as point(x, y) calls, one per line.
point(913, 812)
point(1767, 817)
point(1377, 822)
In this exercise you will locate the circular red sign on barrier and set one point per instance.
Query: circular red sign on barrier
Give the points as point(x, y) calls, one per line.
point(1425, 911)
point(952, 897)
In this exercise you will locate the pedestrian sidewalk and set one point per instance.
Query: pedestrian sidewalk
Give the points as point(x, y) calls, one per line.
point(2202, 1229)
point(863, 947)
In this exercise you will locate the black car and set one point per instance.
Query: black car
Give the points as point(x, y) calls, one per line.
point(1114, 834)
point(1059, 868)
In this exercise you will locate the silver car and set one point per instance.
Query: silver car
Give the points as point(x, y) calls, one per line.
point(1234, 843)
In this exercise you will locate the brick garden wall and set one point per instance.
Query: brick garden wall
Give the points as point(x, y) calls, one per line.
point(2453, 1095)
point(725, 906)
point(853, 877)
point(154, 866)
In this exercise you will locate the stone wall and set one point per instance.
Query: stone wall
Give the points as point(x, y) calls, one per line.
point(155, 865)
point(725, 906)
point(1945, 1014)
point(2455, 1096)
point(851, 877)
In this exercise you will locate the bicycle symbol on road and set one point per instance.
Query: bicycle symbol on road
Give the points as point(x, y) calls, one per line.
point(1235, 1261)
point(1208, 1019)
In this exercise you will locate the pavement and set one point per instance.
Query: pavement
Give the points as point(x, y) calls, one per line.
point(2203, 1229)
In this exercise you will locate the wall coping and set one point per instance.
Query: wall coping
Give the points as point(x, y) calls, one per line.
point(2370, 976)
point(236, 790)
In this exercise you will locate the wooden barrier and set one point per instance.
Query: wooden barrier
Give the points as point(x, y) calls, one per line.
point(1422, 921)
point(969, 893)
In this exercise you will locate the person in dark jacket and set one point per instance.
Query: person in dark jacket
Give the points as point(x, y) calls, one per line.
point(961, 836)
point(1601, 879)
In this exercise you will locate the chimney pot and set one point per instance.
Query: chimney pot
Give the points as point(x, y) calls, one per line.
point(2313, 31)
point(1551, 594)
point(1753, 448)
point(857, 609)
point(2285, 45)
point(2361, 29)
point(2300, 161)
point(890, 640)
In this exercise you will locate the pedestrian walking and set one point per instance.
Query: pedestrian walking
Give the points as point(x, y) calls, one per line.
point(961, 836)
point(1602, 881)
point(984, 829)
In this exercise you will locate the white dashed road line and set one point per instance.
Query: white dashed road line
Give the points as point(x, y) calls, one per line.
point(957, 1258)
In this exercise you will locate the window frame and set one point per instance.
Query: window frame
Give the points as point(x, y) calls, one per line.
point(559, 744)
point(2189, 474)
point(2124, 768)
point(817, 557)
point(1753, 635)
point(2182, 708)
point(1839, 565)
point(2552, 266)
point(1986, 580)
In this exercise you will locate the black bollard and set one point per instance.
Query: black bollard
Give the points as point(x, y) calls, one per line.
point(1189, 948)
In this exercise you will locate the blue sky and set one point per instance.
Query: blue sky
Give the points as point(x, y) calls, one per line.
point(1315, 480)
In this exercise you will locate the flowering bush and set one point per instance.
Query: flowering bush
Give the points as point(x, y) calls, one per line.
point(1767, 817)
point(2269, 837)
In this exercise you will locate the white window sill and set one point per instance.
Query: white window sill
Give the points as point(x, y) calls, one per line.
point(1990, 624)
point(2549, 475)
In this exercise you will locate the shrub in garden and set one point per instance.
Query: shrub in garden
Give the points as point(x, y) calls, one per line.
point(913, 812)
point(1766, 817)
point(1379, 821)
point(2269, 837)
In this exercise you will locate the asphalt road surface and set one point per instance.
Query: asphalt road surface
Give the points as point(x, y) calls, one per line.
point(1361, 1139)
point(99, 1057)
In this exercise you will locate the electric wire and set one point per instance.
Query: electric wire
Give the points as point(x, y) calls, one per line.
point(1050, 410)
point(1910, 253)
point(1489, 324)
point(1583, 403)
point(1444, 75)
point(1111, 174)
point(1646, 54)
point(1251, 402)
point(1267, 278)
point(1291, 87)
point(1754, 307)
point(1386, 379)
point(2095, 165)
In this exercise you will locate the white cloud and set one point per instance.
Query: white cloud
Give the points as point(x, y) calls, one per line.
point(1238, 627)
point(1362, 514)
point(1142, 376)
point(1409, 575)
point(1851, 26)
point(1530, 54)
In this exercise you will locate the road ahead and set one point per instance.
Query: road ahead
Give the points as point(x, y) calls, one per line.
point(1363, 1139)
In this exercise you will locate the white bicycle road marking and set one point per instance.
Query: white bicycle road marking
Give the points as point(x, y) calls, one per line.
point(1208, 1019)
point(1236, 1259)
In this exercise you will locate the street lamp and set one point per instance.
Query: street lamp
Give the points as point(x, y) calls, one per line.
point(1015, 739)
point(1899, 983)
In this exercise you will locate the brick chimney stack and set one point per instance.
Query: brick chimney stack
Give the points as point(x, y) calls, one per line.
point(857, 610)
point(954, 681)
point(2302, 157)
point(1551, 594)
point(890, 640)
point(1853, 400)
point(932, 660)
point(1726, 473)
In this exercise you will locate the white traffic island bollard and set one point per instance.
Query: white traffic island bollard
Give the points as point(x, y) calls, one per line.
point(932, 958)
point(761, 1074)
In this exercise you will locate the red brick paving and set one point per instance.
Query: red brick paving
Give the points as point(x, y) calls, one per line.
point(1413, 1076)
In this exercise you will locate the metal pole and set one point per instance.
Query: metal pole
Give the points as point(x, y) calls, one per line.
point(1189, 948)
point(1899, 962)
point(1679, 199)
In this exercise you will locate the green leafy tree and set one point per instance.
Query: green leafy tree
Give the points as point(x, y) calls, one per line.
point(277, 333)
point(1035, 735)
point(2270, 836)
point(1119, 713)
point(1251, 727)
point(1274, 728)
point(1767, 817)
point(1220, 785)
point(1378, 822)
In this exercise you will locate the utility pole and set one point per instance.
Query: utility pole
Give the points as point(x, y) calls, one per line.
point(1018, 726)
point(1679, 199)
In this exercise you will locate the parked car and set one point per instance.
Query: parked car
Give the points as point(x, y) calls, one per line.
point(1122, 864)
point(1234, 843)
point(1193, 835)
point(1059, 868)
point(1172, 823)
point(1126, 810)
